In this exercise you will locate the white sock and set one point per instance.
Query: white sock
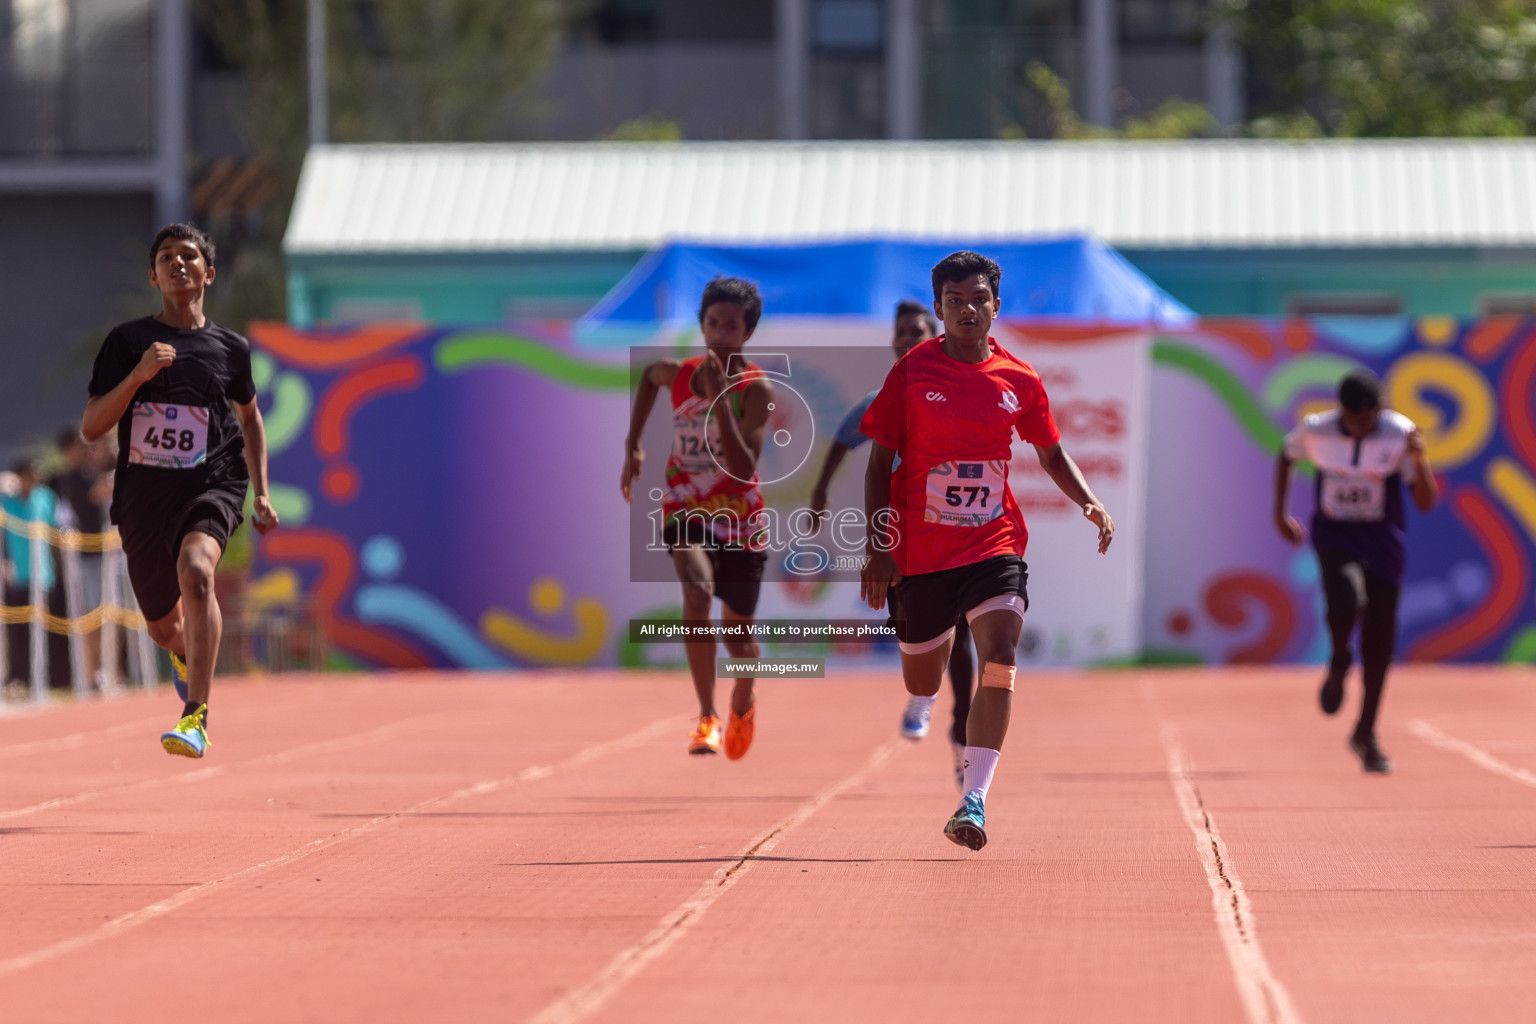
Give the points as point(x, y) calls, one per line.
point(916, 703)
point(980, 763)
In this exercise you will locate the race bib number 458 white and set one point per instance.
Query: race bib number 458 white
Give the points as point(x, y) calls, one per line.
point(168, 436)
point(965, 492)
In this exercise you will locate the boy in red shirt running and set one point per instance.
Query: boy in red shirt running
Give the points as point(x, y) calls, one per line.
point(720, 407)
point(915, 324)
point(946, 538)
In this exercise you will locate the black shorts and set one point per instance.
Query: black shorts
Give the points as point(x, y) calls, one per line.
point(153, 548)
point(924, 608)
point(738, 572)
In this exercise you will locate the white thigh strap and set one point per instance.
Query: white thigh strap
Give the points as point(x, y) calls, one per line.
point(1012, 602)
point(928, 645)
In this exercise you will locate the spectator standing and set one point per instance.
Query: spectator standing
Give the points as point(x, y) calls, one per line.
point(30, 503)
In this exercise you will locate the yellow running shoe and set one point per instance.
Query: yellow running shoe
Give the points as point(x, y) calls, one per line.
point(190, 737)
point(738, 733)
point(706, 738)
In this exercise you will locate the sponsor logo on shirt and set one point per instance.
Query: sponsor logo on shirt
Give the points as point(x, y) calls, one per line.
point(934, 396)
point(1010, 402)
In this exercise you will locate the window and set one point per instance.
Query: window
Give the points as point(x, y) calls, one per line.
point(1344, 304)
point(847, 25)
point(615, 22)
point(1506, 304)
point(75, 77)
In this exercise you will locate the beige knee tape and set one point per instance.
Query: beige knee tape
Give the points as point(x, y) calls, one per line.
point(1000, 676)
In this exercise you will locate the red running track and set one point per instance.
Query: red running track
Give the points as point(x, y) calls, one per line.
point(1166, 846)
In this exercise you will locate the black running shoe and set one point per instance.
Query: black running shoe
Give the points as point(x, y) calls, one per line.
point(1370, 755)
point(1331, 696)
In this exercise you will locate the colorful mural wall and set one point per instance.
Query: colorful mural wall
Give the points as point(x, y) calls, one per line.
point(449, 495)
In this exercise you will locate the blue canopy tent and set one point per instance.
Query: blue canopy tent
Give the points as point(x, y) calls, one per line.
point(1065, 277)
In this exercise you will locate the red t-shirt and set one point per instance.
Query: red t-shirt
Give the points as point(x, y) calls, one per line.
point(696, 482)
point(953, 423)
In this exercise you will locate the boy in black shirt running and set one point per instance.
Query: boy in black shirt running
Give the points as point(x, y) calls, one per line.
point(178, 388)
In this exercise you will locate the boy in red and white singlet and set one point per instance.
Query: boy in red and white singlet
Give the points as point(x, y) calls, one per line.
point(720, 407)
point(946, 538)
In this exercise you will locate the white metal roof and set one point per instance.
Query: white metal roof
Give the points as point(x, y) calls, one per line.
point(1242, 194)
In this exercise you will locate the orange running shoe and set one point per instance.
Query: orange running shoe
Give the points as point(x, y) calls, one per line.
point(705, 738)
point(738, 734)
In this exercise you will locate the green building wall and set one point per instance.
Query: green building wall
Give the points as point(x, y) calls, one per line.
point(497, 287)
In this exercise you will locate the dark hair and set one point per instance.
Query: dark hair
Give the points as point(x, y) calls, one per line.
point(958, 266)
point(911, 307)
point(24, 464)
point(188, 232)
point(1360, 390)
point(733, 289)
point(69, 437)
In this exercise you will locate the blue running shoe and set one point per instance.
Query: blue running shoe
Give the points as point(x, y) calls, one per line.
point(190, 737)
point(179, 676)
point(968, 825)
point(914, 720)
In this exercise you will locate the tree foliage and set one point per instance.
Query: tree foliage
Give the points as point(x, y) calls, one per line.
point(1389, 67)
point(1173, 118)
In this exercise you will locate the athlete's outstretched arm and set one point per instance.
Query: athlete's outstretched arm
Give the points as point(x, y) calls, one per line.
point(255, 432)
point(1425, 490)
point(658, 375)
point(103, 412)
point(1061, 469)
point(1289, 526)
point(880, 571)
point(819, 491)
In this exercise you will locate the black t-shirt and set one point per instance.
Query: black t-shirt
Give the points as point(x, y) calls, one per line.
point(74, 488)
point(212, 368)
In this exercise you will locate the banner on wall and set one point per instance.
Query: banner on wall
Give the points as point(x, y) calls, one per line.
point(450, 495)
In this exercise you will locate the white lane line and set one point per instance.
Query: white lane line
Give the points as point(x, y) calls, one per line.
point(198, 774)
point(604, 985)
point(76, 740)
point(169, 905)
point(1264, 998)
point(1471, 751)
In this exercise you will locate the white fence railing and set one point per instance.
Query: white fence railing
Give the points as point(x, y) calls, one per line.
point(116, 615)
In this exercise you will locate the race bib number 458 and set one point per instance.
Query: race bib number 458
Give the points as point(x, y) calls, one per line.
point(965, 492)
point(168, 436)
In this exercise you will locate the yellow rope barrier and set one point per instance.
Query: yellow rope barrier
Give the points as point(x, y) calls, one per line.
point(69, 540)
point(87, 623)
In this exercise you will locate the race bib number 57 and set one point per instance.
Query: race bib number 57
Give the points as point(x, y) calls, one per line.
point(965, 492)
point(168, 436)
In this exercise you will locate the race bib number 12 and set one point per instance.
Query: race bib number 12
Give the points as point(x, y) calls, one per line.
point(168, 436)
point(965, 492)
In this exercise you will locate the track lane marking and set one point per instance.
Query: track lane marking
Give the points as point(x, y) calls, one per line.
point(175, 902)
point(606, 983)
point(1265, 1000)
point(76, 740)
point(1471, 751)
point(209, 771)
